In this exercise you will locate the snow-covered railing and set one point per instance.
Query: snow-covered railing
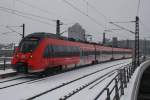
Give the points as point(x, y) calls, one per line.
point(115, 88)
point(5, 62)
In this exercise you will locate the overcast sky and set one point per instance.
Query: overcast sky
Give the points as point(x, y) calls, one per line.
point(102, 11)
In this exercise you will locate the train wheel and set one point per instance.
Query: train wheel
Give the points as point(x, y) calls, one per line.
point(41, 74)
point(50, 71)
point(94, 62)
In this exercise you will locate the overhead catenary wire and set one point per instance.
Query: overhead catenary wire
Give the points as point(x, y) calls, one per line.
point(35, 7)
point(125, 22)
point(4, 33)
point(83, 13)
point(146, 28)
point(8, 26)
point(122, 28)
point(39, 9)
point(29, 14)
point(96, 10)
point(47, 12)
point(138, 8)
point(4, 9)
point(105, 17)
point(13, 30)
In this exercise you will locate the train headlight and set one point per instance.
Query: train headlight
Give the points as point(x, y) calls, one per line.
point(31, 56)
point(17, 55)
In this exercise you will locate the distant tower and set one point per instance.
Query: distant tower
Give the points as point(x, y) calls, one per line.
point(76, 32)
point(104, 39)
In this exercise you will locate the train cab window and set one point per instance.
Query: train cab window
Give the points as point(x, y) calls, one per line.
point(28, 46)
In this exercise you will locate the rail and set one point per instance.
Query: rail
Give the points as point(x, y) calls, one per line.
point(5, 62)
point(115, 88)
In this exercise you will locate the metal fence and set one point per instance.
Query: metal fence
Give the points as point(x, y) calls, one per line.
point(118, 84)
point(5, 63)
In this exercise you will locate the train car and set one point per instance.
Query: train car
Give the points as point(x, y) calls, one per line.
point(39, 52)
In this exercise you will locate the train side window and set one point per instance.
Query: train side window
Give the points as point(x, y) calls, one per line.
point(76, 51)
point(46, 52)
point(66, 51)
point(73, 51)
point(79, 51)
point(55, 50)
point(59, 51)
point(62, 51)
point(50, 50)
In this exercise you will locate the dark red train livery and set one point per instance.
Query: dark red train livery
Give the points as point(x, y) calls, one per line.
point(45, 51)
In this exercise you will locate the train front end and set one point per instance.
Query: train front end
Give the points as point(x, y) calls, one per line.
point(23, 59)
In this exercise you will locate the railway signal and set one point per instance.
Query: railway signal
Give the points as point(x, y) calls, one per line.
point(23, 30)
point(58, 23)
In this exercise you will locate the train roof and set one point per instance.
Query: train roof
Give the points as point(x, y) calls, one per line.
point(45, 35)
point(41, 35)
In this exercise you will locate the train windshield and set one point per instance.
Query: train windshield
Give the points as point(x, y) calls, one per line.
point(28, 45)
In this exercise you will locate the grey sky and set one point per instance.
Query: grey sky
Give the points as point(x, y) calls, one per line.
point(115, 10)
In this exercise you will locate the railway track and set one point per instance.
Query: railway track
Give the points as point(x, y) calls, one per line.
point(12, 79)
point(23, 81)
point(8, 75)
point(11, 84)
point(72, 81)
point(83, 86)
point(41, 79)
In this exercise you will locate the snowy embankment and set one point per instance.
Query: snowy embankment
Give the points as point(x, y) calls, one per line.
point(131, 92)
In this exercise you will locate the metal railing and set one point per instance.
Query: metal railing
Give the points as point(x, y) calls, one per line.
point(5, 63)
point(115, 88)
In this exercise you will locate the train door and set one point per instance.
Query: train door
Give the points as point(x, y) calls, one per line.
point(82, 57)
point(95, 54)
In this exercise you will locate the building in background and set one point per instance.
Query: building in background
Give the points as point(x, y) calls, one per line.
point(115, 41)
point(76, 32)
point(144, 45)
point(6, 50)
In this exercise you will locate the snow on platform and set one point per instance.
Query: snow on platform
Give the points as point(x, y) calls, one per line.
point(6, 71)
point(2, 63)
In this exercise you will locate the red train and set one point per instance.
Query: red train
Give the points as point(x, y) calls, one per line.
point(45, 51)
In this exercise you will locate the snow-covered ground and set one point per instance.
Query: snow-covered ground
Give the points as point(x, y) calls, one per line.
point(2, 63)
point(30, 89)
point(6, 71)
